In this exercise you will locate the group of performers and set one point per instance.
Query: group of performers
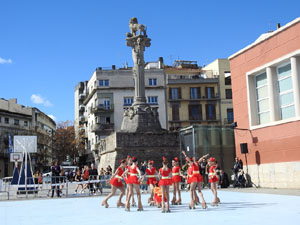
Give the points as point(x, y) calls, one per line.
point(129, 171)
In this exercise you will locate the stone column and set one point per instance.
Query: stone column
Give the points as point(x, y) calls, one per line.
point(295, 66)
point(273, 94)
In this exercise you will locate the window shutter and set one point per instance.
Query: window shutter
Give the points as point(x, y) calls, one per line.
point(190, 112)
point(198, 92)
point(179, 93)
point(206, 110)
point(170, 93)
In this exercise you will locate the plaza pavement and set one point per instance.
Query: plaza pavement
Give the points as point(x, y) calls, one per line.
point(239, 206)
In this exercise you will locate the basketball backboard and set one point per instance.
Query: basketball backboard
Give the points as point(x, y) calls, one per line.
point(25, 143)
point(16, 156)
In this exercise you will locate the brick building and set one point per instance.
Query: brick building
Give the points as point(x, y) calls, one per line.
point(266, 91)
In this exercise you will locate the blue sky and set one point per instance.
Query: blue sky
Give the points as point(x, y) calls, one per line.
point(48, 46)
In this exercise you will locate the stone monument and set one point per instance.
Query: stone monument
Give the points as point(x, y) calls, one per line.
point(141, 134)
point(140, 117)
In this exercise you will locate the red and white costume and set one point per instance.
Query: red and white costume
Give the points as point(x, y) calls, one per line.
point(165, 177)
point(117, 180)
point(175, 174)
point(151, 176)
point(212, 175)
point(133, 179)
point(196, 176)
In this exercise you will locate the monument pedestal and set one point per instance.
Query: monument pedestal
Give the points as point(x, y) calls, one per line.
point(144, 146)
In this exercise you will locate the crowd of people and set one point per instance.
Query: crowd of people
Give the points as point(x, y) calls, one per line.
point(160, 181)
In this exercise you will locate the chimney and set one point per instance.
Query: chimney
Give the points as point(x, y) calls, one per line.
point(278, 25)
point(160, 62)
point(99, 68)
point(113, 67)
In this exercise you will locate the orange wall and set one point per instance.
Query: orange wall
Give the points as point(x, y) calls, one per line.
point(280, 143)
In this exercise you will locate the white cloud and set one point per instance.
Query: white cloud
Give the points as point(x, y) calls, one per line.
point(5, 61)
point(37, 99)
point(52, 117)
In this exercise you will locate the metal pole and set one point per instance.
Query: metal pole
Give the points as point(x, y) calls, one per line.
point(52, 145)
point(193, 136)
point(26, 174)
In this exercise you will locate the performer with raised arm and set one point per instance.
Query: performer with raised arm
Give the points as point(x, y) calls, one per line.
point(165, 174)
point(176, 179)
point(116, 183)
point(213, 180)
point(134, 183)
point(151, 180)
point(195, 180)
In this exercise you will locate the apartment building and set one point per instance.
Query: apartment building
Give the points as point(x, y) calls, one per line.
point(16, 119)
point(100, 102)
point(266, 101)
point(220, 68)
point(198, 95)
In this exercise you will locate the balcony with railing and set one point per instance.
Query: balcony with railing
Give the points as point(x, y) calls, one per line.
point(81, 108)
point(82, 96)
point(102, 128)
point(102, 108)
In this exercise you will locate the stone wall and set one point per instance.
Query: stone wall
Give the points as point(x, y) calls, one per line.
point(144, 146)
point(275, 175)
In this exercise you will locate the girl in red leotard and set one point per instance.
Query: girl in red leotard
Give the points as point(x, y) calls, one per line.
point(176, 179)
point(127, 174)
point(165, 175)
point(195, 180)
point(134, 183)
point(116, 183)
point(151, 181)
point(213, 180)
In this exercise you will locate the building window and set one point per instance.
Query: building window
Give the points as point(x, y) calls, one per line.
point(285, 91)
point(152, 81)
point(6, 120)
point(25, 123)
point(262, 98)
point(228, 80)
point(195, 92)
point(210, 92)
point(228, 93)
point(128, 101)
point(103, 83)
point(104, 104)
point(210, 112)
point(229, 116)
point(16, 122)
point(195, 112)
point(175, 93)
point(175, 112)
point(153, 100)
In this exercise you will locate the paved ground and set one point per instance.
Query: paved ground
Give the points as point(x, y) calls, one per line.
point(238, 207)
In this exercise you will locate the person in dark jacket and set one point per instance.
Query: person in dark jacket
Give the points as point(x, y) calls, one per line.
point(55, 179)
point(93, 173)
point(224, 181)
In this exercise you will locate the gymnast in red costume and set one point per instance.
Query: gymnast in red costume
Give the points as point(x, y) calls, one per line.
point(116, 183)
point(176, 179)
point(195, 180)
point(127, 174)
point(151, 180)
point(134, 180)
point(165, 174)
point(213, 180)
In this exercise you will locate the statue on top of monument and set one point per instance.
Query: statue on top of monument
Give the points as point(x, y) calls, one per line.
point(134, 27)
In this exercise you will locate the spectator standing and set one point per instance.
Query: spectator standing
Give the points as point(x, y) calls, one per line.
point(93, 175)
point(78, 178)
point(202, 168)
point(224, 181)
point(143, 168)
point(55, 178)
point(85, 177)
